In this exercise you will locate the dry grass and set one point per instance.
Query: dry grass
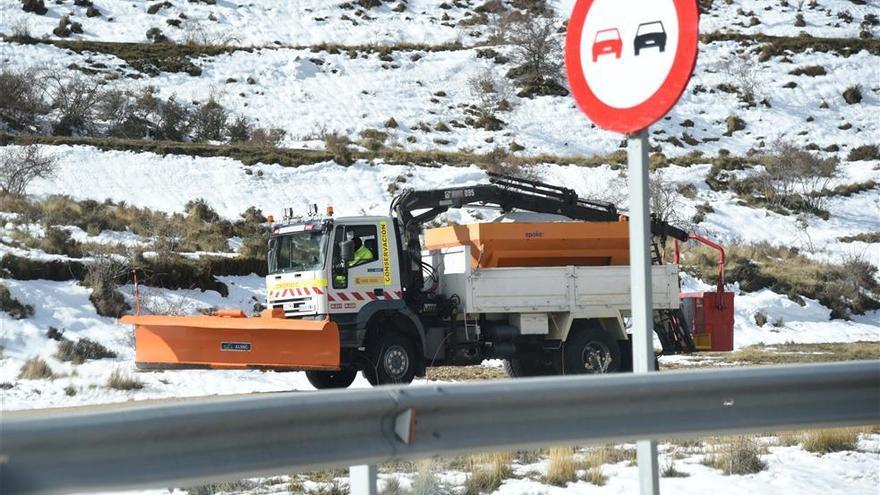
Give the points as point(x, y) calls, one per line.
point(465, 373)
point(847, 289)
point(120, 380)
point(426, 481)
point(831, 440)
point(612, 454)
point(786, 353)
point(669, 470)
point(36, 369)
point(487, 472)
point(802, 353)
point(562, 468)
point(736, 455)
point(392, 486)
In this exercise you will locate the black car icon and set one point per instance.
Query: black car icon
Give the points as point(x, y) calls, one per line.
point(650, 35)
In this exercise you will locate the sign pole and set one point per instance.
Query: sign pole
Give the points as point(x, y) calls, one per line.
point(641, 288)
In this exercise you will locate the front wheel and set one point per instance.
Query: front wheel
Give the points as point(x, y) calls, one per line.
point(590, 350)
point(331, 379)
point(392, 359)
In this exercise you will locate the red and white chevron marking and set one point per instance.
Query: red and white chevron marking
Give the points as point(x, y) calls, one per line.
point(298, 292)
point(355, 296)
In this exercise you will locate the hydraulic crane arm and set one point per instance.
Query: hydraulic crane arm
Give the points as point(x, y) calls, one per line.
point(509, 194)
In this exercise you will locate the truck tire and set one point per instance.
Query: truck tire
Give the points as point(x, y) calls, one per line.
point(331, 379)
point(590, 350)
point(391, 359)
point(522, 368)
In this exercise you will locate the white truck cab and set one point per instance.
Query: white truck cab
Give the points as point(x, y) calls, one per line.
point(310, 277)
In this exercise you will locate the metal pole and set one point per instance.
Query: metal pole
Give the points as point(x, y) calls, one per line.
point(363, 480)
point(640, 285)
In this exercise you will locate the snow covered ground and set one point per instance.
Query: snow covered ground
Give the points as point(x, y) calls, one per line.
point(309, 22)
point(308, 93)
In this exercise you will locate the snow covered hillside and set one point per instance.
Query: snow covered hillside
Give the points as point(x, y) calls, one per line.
point(397, 79)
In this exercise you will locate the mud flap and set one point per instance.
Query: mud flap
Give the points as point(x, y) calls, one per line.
point(232, 341)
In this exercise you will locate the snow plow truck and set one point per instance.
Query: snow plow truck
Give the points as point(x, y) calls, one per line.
point(387, 297)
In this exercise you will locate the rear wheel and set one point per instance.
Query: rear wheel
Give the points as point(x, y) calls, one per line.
point(331, 379)
point(391, 359)
point(590, 350)
point(521, 368)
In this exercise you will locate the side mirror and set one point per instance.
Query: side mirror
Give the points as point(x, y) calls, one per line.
point(347, 250)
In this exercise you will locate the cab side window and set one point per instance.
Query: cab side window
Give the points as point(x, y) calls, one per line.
point(365, 239)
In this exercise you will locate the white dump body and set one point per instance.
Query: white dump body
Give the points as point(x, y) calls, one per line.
point(584, 291)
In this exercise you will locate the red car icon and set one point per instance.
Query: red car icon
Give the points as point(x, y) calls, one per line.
point(607, 41)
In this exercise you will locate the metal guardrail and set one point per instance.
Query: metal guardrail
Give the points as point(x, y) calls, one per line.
point(192, 443)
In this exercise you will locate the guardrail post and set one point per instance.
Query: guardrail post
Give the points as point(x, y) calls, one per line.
point(363, 480)
point(641, 288)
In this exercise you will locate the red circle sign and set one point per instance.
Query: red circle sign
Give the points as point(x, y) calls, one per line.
point(629, 62)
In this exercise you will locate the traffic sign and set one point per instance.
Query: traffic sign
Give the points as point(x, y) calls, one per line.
point(629, 61)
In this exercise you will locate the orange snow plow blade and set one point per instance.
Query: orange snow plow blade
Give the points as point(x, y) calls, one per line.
point(229, 340)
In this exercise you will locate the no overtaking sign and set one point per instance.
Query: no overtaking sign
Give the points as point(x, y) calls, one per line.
point(628, 61)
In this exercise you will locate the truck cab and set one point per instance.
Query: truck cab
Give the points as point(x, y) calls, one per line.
point(324, 267)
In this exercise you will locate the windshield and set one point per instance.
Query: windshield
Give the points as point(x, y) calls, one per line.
point(298, 251)
point(608, 35)
point(651, 28)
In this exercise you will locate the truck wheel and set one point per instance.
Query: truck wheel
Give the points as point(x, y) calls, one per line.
point(391, 360)
point(590, 350)
point(331, 379)
point(521, 368)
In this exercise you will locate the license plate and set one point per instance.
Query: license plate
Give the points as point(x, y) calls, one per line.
point(297, 308)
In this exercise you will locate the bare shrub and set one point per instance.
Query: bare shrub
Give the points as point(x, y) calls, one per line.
point(58, 241)
point(196, 34)
point(36, 369)
point(21, 102)
point(853, 95)
point(503, 162)
point(82, 350)
point(865, 152)
point(75, 99)
point(267, 137)
point(338, 146)
point(538, 56)
point(120, 380)
point(239, 130)
point(12, 306)
point(103, 275)
point(665, 200)
point(492, 95)
point(209, 121)
point(199, 210)
point(738, 455)
point(19, 165)
point(795, 174)
point(174, 120)
point(742, 70)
